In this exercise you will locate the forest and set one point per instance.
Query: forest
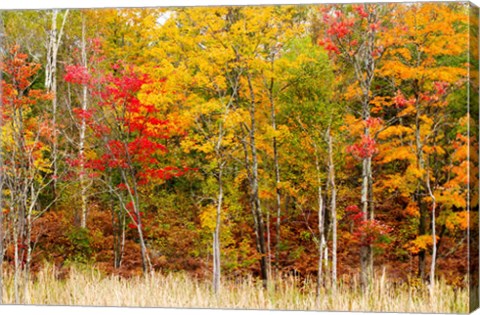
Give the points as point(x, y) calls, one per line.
point(306, 154)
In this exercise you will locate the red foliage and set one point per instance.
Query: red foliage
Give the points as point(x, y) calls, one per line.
point(77, 74)
point(364, 149)
point(136, 141)
point(340, 27)
point(370, 231)
point(440, 88)
point(17, 81)
point(83, 114)
point(329, 45)
point(374, 26)
point(354, 213)
point(134, 217)
point(400, 100)
point(371, 122)
point(360, 11)
point(367, 232)
point(341, 32)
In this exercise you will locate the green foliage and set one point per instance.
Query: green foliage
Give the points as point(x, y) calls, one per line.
point(80, 250)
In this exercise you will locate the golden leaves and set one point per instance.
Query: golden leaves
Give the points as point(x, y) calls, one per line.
point(458, 220)
point(394, 131)
point(422, 242)
point(401, 153)
point(452, 198)
point(208, 217)
point(412, 209)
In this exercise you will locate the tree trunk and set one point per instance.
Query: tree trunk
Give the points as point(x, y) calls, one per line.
point(216, 234)
point(321, 241)
point(422, 225)
point(278, 197)
point(146, 264)
point(364, 66)
point(255, 188)
point(118, 224)
point(16, 276)
point(81, 145)
point(333, 205)
point(366, 259)
point(269, 243)
point(55, 39)
point(434, 240)
point(422, 230)
point(321, 224)
point(51, 86)
point(28, 238)
point(364, 249)
point(19, 195)
point(133, 196)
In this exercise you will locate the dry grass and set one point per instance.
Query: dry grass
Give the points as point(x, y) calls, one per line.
point(178, 290)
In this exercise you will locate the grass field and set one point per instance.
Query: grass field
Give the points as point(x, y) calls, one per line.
point(89, 287)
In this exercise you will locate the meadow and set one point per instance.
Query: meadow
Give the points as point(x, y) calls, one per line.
point(88, 287)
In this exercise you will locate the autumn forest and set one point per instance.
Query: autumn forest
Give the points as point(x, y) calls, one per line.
point(291, 157)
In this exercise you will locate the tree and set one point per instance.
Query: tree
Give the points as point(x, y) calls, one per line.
point(352, 34)
point(423, 76)
point(26, 169)
point(53, 45)
point(131, 133)
point(309, 112)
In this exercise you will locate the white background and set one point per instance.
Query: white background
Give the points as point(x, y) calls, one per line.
point(62, 310)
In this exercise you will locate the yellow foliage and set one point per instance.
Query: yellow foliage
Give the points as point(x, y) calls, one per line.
point(412, 209)
point(266, 194)
point(352, 92)
point(208, 218)
point(354, 125)
point(422, 242)
point(457, 220)
point(401, 153)
point(394, 131)
point(452, 198)
point(414, 172)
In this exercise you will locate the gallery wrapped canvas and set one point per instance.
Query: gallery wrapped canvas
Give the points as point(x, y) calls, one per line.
point(290, 157)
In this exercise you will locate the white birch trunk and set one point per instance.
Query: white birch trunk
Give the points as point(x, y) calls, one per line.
point(83, 128)
point(216, 234)
point(434, 240)
point(333, 205)
point(54, 42)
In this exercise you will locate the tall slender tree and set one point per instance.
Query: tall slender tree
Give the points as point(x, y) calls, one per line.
point(53, 45)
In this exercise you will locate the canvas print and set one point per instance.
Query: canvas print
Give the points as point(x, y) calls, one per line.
point(302, 157)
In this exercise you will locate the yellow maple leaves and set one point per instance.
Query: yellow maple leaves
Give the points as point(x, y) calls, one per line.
point(422, 242)
point(459, 220)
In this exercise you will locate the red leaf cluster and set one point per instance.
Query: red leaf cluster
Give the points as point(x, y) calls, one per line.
point(366, 148)
point(137, 139)
point(440, 88)
point(360, 11)
point(367, 232)
point(372, 122)
point(400, 100)
point(77, 74)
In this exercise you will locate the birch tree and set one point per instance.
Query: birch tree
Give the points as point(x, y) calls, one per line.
point(53, 45)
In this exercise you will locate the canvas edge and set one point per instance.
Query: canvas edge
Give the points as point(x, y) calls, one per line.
point(474, 131)
point(246, 3)
point(473, 108)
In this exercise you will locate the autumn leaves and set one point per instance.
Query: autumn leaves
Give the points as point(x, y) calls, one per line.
point(246, 139)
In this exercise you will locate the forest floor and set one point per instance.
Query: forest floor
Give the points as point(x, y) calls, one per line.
point(90, 287)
